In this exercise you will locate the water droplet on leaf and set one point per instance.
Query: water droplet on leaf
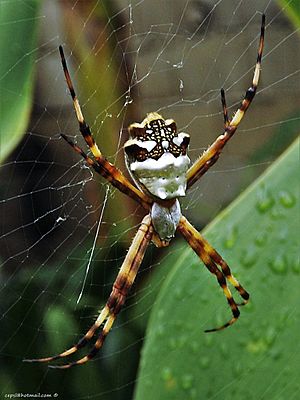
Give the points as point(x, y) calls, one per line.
point(224, 350)
point(286, 199)
point(209, 340)
point(249, 258)
point(238, 369)
point(231, 237)
point(204, 362)
point(172, 343)
point(166, 373)
point(160, 330)
point(279, 264)
point(265, 201)
point(261, 238)
point(187, 381)
point(270, 335)
point(195, 346)
point(296, 265)
point(277, 213)
point(275, 354)
point(178, 293)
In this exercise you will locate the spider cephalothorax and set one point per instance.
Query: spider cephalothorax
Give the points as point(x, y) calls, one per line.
point(157, 136)
point(157, 161)
point(156, 157)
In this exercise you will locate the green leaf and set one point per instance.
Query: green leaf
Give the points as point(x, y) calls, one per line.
point(18, 49)
point(292, 9)
point(258, 357)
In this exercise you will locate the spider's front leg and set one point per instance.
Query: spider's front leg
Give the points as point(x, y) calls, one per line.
point(211, 259)
point(115, 301)
point(211, 155)
point(102, 165)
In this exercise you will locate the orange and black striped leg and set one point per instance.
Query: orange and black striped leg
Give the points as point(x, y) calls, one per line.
point(106, 169)
point(117, 179)
point(217, 259)
point(224, 107)
point(83, 126)
point(121, 287)
point(210, 258)
point(211, 155)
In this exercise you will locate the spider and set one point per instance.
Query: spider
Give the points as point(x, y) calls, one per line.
point(157, 161)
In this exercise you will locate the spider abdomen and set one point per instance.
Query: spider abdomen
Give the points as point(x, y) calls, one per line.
point(165, 219)
point(164, 178)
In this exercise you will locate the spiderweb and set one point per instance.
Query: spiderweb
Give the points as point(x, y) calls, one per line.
point(64, 232)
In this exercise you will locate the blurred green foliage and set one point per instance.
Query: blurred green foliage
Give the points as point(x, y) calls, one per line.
point(292, 9)
point(18, 49)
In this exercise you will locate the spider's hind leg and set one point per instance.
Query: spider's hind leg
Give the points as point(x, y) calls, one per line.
point(227, 273)
point(211, 258)
point(121, 287)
